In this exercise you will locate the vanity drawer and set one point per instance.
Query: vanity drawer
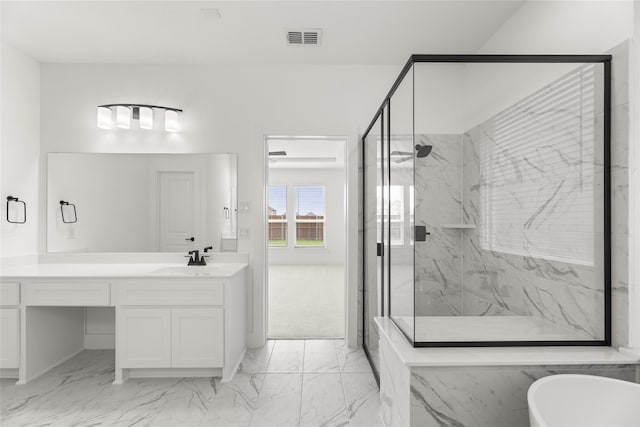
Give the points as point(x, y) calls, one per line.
point(67, 294)
point(173, 293)
point(10, 293)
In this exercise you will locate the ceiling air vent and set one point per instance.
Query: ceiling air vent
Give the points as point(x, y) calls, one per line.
point(311, 37)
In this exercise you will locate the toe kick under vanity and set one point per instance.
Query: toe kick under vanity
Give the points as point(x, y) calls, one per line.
point(170, 320)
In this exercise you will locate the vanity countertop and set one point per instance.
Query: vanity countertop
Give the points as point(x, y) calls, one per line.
point(121, 270)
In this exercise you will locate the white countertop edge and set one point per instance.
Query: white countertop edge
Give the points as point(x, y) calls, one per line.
point(147, 271)
point(497, 356)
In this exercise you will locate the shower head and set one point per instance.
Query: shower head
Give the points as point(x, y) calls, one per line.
point(423, 150)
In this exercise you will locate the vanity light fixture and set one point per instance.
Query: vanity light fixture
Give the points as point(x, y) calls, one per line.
point(141, 112)
point(146, 118)
point(123, 117)
point(104, 118)
point(170, 121)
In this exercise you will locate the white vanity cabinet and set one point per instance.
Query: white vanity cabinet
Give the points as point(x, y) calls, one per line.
point(182, 325)
point(9, 325)
point(144, 337)
point(197, 337)
point(171, 337)
point(9, 338)
point(170, 320)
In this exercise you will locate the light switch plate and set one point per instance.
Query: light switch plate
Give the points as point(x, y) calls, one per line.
point(244, 207)
point(243, 233)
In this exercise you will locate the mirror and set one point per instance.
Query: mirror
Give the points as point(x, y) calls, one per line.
point(141, 202)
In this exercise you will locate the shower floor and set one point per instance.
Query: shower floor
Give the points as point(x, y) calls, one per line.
point(487, 328)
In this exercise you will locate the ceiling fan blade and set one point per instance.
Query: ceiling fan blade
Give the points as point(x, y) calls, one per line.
point(277, 153)
point(404, 159)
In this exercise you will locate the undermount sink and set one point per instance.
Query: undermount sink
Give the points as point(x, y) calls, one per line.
point(196, 270)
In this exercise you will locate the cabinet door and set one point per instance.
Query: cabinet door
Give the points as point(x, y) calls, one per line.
point(144, 337)
point(9, 338)
point(197, 337)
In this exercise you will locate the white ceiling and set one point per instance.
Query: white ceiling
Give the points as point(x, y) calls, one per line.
point(354, 32)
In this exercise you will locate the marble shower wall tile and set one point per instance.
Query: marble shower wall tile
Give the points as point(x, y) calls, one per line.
point(569, 294)
point(486, 396)
point(473, 305)
point(438, 200)
point(620, 193)
point(394, 388)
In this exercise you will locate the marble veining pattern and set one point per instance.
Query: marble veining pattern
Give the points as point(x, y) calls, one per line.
point(80, 392)
point(486, 397)
point(564, 292)
point(438, 200)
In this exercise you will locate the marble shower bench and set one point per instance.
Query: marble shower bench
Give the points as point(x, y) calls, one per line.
point(480, 386)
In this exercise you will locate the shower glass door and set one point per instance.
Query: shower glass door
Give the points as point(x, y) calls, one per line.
point(399, 207)
point(372, 239)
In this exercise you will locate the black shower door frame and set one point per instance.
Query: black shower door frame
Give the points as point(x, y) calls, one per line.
point(508, 59)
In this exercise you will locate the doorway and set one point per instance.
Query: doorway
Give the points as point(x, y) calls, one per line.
point(178, 215)
point(305, 237)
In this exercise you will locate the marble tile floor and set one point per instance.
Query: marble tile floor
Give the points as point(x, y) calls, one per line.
point(285, 383)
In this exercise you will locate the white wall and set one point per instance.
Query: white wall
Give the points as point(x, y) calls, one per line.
point(634, 188)
point(563, 27)
point(334, 182)
point(226, 109)
point(20, 145)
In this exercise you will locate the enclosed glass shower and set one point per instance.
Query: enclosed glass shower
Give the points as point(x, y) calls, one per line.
point(486, 210)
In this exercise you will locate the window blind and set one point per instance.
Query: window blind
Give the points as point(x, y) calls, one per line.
point(537, 164)
point(310, 214)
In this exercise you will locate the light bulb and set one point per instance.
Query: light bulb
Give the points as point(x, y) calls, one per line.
point(170, 120)
point(123, 117)
point(146, 118)
point(104, 117)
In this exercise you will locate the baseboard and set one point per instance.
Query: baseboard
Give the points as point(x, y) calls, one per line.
point(9, 373)
point(174, 372)
point(52, 365)
point(232, 373)
point(100, 341)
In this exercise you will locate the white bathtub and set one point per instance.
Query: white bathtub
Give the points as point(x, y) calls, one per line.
point(583, 401)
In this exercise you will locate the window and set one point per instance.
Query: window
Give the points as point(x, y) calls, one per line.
point(310, 215)
point(278, 215)
point(539, 197)
point(397, 217)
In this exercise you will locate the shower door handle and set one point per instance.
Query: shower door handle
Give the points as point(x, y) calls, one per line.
point(379, 249)
point(421, 233)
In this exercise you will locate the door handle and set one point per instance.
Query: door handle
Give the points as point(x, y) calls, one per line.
point(379, 249)
point(191, 239)
point(421, 233)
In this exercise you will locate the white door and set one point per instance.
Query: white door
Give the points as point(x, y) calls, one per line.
point(178, 214)
point(9, 337)
point(197, 337)
point(144, 337)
